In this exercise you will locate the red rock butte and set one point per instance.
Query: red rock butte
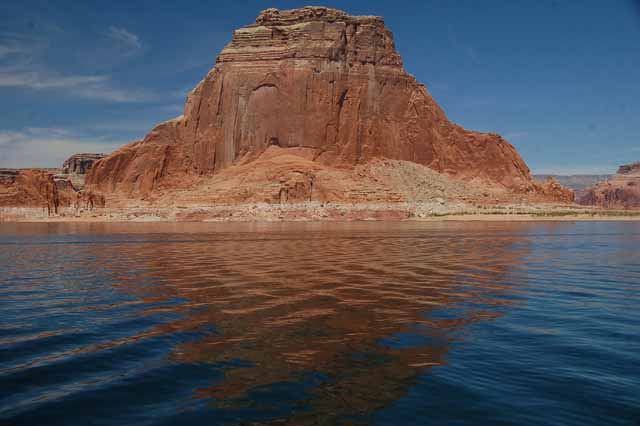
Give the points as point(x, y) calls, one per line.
point(620, 191)
point(319, 83)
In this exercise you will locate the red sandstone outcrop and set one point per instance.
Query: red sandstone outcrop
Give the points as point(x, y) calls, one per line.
point(315, 80)
point(29, 188)
point(46, 189)
point(551, 189)
point(621, 191)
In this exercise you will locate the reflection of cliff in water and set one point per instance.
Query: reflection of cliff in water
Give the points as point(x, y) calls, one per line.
point(355, 315)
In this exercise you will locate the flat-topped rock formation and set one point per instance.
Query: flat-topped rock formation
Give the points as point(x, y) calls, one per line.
point(76, 167)
point(314, 80)
point(80, 164)
point(578, 183)
point(629, 169)
point(620, 191)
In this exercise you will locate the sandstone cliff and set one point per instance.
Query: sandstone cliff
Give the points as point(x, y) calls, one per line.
point(50, 189)
point(29, 188)
point(312, 80)
point(621, 191)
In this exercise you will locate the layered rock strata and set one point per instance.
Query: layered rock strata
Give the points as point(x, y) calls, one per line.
point(30, 188)
point(76, 167)
point(315, 80)
point(47, 189)
point(620, 191)
point(79, 164)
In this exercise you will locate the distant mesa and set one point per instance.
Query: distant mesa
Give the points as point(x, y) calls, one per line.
point(578, 183)
point(629, 169)
point(79, 164)
point(620, 191)
point(76, 167)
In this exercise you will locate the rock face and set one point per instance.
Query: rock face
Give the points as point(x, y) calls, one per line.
point(28, 188)
point(621, 191)
point(50, 189)
point(80, 164)
point(551, 189)
point(76, 167)
point(629, 169)
point(314, 79)
point(43, 188)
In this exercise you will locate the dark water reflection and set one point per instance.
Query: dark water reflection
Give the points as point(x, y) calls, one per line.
point(476, 323)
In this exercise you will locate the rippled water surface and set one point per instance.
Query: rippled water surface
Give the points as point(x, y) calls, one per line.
point(305, 324)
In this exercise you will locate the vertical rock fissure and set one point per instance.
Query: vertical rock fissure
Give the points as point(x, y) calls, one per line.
point(220, 97)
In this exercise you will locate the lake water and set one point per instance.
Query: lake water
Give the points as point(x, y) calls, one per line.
point(443, 323)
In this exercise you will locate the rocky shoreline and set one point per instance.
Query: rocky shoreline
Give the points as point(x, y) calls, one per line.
point(312, 211)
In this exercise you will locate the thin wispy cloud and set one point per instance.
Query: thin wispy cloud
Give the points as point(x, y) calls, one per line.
point(23, 66)
point(96, 87)
point(8, 137)
point(36, 80)
point(110, 94)
point(8, 50)
point(48, 147)
point(125, 40)
point(18, 50)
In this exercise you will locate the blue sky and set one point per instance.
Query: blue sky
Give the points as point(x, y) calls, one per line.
point(559, 79)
